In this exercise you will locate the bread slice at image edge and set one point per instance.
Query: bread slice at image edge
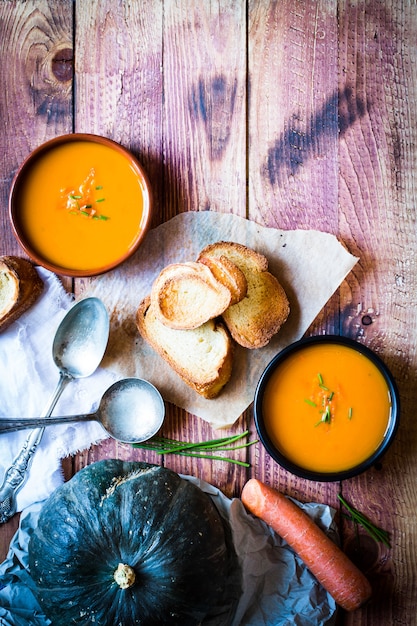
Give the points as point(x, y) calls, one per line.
point(20, 287)
point(254, 320)
point(202, 357)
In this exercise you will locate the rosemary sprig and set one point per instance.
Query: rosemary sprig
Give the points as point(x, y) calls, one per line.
point(357, 517)
point(202, 450)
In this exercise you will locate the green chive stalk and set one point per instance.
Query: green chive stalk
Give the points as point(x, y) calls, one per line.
point(203, 450)
point(358, 518)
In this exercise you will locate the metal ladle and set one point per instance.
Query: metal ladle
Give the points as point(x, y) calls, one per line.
point(78, 348)
point(131, 410)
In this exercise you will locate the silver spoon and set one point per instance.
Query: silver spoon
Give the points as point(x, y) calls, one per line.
point(78, 348)
point(131, 410)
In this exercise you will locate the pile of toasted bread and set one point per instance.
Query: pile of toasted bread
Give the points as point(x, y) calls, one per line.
point(195, 314)
point(20, 287)
point(197, 310)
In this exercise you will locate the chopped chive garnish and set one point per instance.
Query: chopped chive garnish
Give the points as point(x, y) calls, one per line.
point(326, 417)
point(81, 200)
point(320, 377)
point(310, 402)
point(331, 396)
point(350, 413)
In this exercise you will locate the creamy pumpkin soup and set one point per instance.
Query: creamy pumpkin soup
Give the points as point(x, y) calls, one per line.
point(82, 205)
point(327, 408)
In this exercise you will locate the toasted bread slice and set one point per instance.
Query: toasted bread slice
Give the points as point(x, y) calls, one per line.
point(229, 274)
point(20, 287)
point(254, 320)
point(186, 295)
point(202, 357)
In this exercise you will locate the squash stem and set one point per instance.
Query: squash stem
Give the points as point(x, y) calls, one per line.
point(124, 576)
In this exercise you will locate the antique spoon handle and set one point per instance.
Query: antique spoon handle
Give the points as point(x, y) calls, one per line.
point(12, 424)
point(16, 474)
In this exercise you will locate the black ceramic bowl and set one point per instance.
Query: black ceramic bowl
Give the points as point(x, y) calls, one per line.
point(270, 440)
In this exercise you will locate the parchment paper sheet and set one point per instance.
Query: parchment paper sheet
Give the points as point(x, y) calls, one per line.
point(277, 588)
point(309, 264)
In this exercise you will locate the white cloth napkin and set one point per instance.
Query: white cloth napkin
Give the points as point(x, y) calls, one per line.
point(28, 377)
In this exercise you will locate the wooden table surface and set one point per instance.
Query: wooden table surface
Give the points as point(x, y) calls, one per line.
point(296, 114)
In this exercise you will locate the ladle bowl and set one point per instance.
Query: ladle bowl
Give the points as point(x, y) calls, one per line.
point(131, 411)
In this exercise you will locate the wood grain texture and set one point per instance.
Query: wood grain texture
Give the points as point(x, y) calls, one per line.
point(293, 147)
point(119, 95)
point(294, 114)
point(35, 94)
point(119, 69)
point(205, 106)
point(204, 154)
point(377, 200)
point(35, 105)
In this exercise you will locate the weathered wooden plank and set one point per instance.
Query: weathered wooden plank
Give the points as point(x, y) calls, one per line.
point(377, 199)
point(205, 106)
point(36, 87)
point(293, 115)
point(204, 153)
point(119, 80)
point(35, 104)
point(293, 148)
point(119, 95)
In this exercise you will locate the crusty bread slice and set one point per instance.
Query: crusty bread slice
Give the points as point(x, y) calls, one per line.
point(186, 295)
point(229, 274)
point(20, 287)
point(254, 320)
point(202, 357)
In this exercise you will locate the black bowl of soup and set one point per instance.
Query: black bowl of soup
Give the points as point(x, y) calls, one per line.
point(326, 408)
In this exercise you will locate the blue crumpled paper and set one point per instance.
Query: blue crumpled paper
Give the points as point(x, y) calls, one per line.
point(278, 590)
point(18, 604)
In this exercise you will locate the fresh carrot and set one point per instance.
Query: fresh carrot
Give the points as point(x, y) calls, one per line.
point(326, 561)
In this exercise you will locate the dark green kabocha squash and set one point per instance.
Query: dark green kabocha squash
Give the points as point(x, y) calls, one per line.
point(126, 543)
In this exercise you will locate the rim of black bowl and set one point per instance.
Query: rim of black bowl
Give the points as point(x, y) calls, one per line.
point(326, 476)
point(48, 145)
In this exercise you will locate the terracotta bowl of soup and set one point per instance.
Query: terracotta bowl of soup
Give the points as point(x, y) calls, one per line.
point(326, 408)
point(80, 205)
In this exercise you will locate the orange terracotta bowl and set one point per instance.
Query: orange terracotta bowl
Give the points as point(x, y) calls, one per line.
point(80, 205)
point(326, 408)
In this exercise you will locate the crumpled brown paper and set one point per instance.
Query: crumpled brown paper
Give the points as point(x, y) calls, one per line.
point(309, 264)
